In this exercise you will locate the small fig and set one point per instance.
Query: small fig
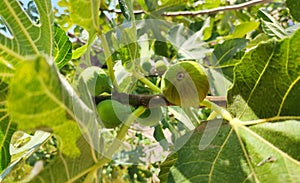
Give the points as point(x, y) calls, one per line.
point(160, 67)
point(96, 79)
point(147, 67)
point(185, 84)
point(150, 117)
point(112, 113)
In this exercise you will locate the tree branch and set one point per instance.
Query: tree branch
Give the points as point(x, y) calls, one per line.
point(216, 10)
point(150, 101)
point(201, 12)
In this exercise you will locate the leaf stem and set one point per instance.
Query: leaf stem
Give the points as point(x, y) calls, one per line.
point(266, 120)
point(220, 110)
point(216, 10)
point(109, 61)
point(146, 82)
point(123, 130)
point(212, 115)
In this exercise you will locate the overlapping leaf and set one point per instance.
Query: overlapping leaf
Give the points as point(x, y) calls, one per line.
point(267, 82)
point(28, 38)
point(222, 161)
point(262, 153)
point(7, 128)
point(62, 47)
point(64, 168)
point(40, 97)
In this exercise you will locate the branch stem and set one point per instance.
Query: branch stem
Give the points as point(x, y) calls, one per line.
point(146, 82)
point(216, 10)
point(109, 61)
point(220, 110)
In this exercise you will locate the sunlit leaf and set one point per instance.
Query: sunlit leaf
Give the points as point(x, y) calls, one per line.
point(242, 29)
point(222, 161)
point(266, 81)
point(268, 162)
point(62, 47)
point(85, 14)
point(28, 145)
point(39, 96)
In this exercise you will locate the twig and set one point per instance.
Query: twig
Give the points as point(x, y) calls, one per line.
point(200, 12)
point(216, 10)
point(118, 11)
point(151, 101)
point(80, 41)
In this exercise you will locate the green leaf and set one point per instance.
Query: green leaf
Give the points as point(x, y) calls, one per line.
point(270, 26)
point(62, 48)
point(294, 6)
point(165, 167)
point(266, 81)
point(85, 13)
point(262, 153)
point(189, 44)
point(7, 128)
point(221, 161)
point(223, 55)
point(79, 52)
point(265, 156)
point(64, 168)
point(125, 9)
point(39, 96)
point(28, 145)
point(283, 135)
point(28, 38)
point(34, 95)
point(242, 29)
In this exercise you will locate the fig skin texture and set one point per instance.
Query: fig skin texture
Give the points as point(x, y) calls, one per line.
point(185, 84)
point(147, 66)
point(150, 117)
point(160, 67)
point(112, 113)
point(97, 80)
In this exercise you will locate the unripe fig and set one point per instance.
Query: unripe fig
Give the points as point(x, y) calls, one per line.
point(112, 113)
point(160, 67)
point(150, 117)
point(96, 79)
point(185, 84)
point(147, 66)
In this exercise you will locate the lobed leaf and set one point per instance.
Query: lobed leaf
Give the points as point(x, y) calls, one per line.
point(261, 153)
point(221, 161)
point(266, 81)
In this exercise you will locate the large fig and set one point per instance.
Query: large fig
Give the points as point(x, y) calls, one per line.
point(185, 84)
point(112, 113)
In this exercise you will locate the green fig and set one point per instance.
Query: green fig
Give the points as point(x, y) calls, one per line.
point(185, 84)
point(112, 113)
point(97, 80)
point(160, 67)
point(147, 66)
